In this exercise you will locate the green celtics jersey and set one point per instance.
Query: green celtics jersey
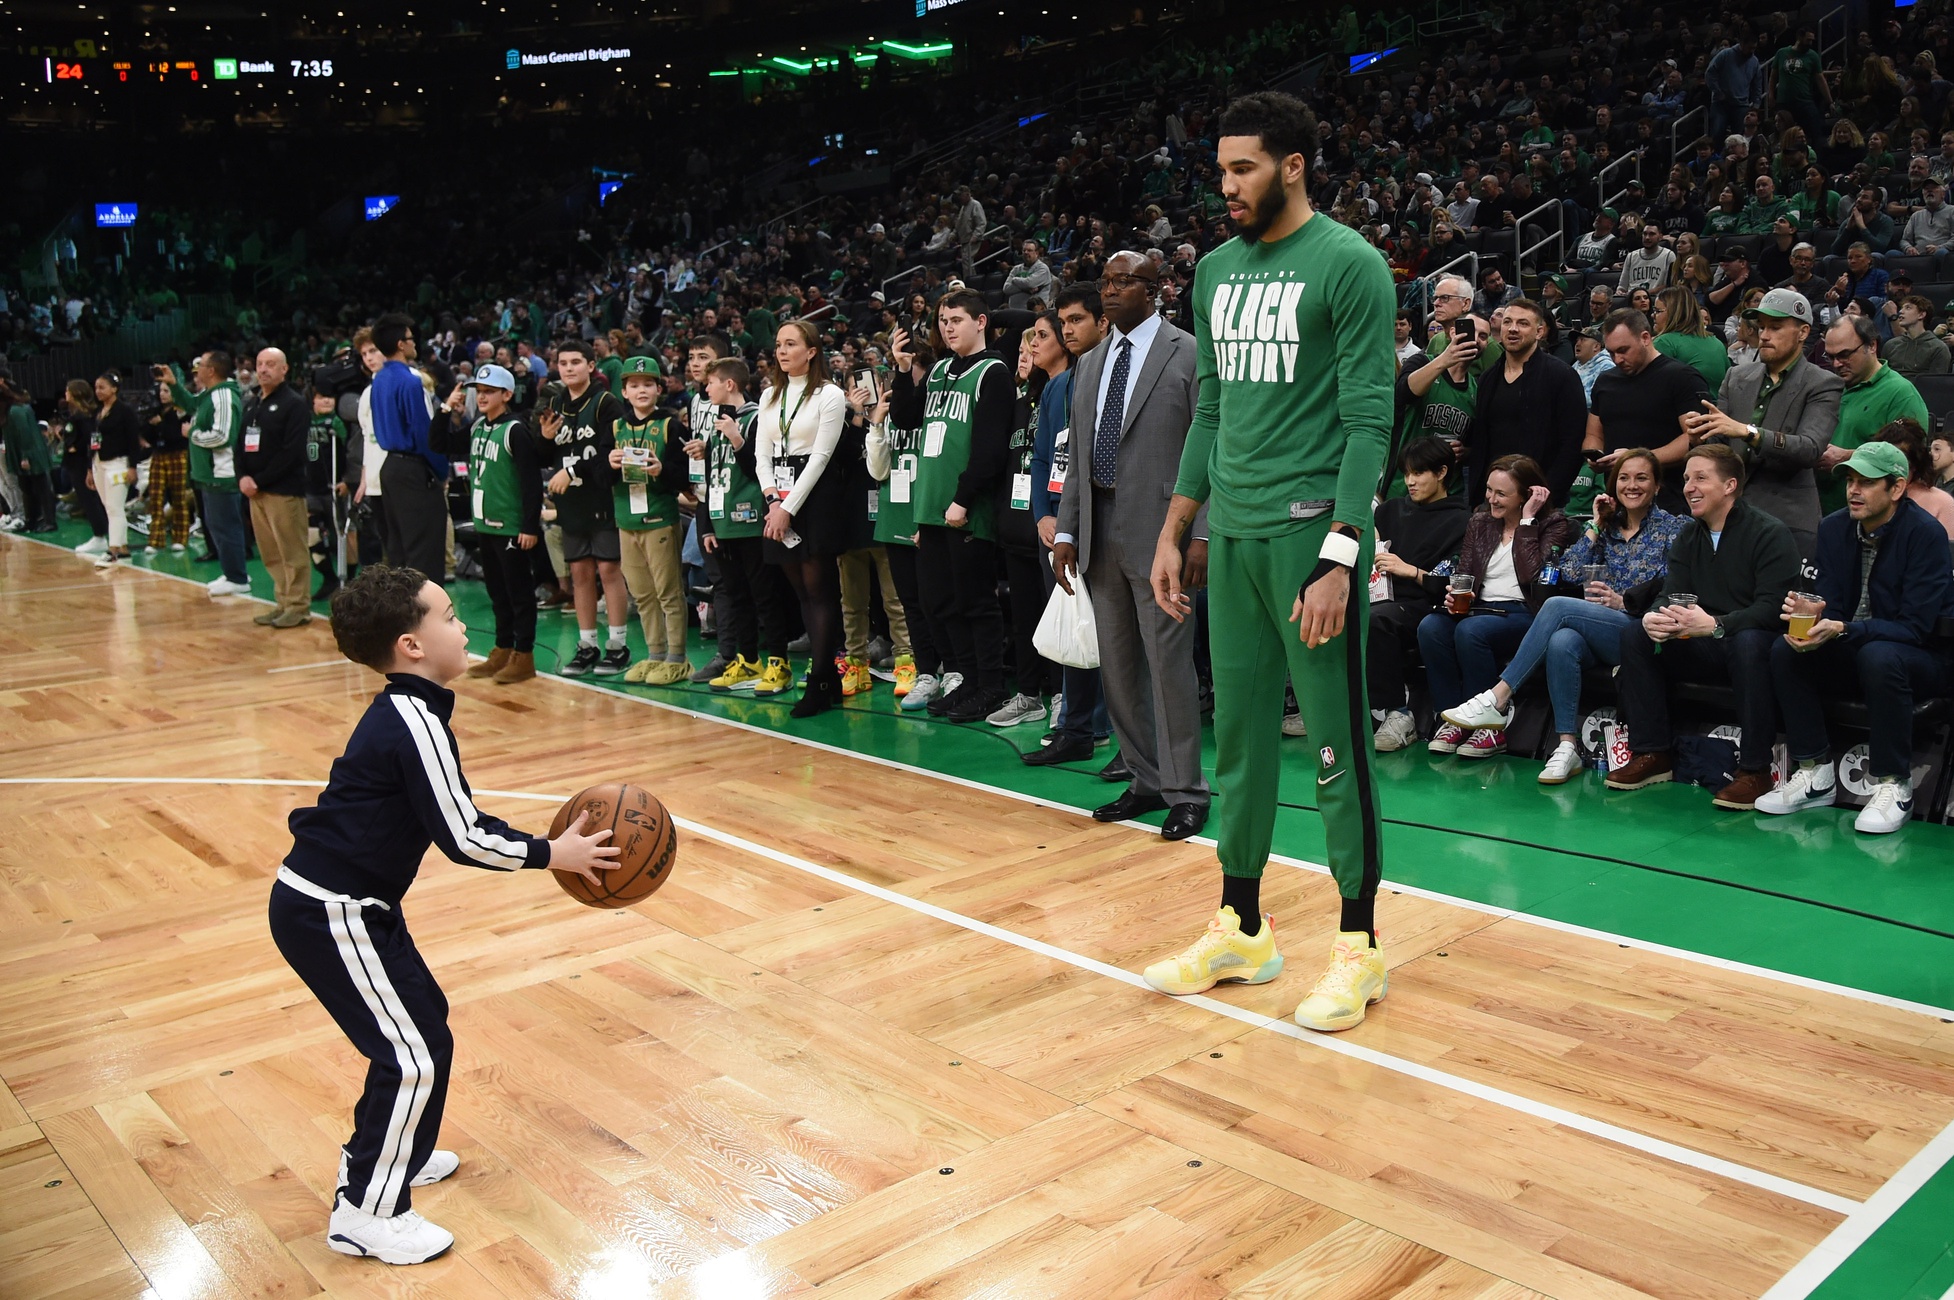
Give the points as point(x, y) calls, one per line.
point(733, 499)
point(1294, 361)
point(895, 511)
point(949, 405)
point(638, 497)
point(494, 489)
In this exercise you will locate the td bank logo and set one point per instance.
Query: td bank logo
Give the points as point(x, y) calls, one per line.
point(223, 69)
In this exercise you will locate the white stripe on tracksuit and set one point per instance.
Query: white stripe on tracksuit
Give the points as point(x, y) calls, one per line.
point(417, 1074)
point(458, 813)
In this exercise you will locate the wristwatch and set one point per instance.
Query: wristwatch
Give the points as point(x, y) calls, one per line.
point(1716, 632)
point(1756, 435)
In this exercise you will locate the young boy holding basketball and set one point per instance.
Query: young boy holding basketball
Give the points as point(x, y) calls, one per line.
point(335, 909)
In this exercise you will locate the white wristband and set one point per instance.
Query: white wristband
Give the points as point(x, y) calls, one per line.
point(1340, 548)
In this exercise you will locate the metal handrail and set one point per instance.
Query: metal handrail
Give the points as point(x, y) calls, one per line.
point(1600, 177)
point(905, 272)
point(712, 249)
point(780, 218)
point(1825, 47)
point(1519, 233)
point(1676, 127)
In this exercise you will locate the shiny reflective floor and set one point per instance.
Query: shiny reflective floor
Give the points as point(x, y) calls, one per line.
point(879, 1036)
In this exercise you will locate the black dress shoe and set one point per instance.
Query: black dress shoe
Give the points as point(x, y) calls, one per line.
point(1070, 749)
point(1128, 806)
point(1117, 770)
point(1183, 820)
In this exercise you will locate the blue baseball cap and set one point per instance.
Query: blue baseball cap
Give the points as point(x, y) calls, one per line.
point(493, 376)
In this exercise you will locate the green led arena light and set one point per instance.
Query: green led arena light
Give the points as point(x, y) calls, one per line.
point(919, 51)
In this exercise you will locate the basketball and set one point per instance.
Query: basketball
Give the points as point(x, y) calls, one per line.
point(642, 832)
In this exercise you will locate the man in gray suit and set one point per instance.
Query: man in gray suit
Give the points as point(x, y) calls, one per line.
point(1778, 412)
point(1132, 402)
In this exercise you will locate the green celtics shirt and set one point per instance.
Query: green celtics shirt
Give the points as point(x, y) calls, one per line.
point(949, 407)
point(895, 511)
point(734, 501)
point(214, 432)
point(1865, 409)
point(1295, 363)
point(498, 476)
point(639, 499)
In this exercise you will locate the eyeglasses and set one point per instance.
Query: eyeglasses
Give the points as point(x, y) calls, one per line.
point(1837, 357)
point(1456, 297)
point(1119, 282)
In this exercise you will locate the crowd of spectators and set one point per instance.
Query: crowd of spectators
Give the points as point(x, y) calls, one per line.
point(1649, 446)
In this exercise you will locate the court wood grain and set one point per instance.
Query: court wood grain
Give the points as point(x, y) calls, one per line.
point(761, 1082)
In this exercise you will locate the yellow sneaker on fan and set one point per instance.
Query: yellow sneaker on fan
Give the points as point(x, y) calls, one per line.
point(905, 674)
point(1222, 955)
point(777, 679)
point(854, 677)
point(741, 672)
point(1354, 979)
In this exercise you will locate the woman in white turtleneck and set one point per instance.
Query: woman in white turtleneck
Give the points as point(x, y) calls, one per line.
point(800, 452)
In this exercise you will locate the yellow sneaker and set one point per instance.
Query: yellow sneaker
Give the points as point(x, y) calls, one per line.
point(1354, 979)
point(1223, 955)
point(668, 673)
point(905, 674)
point(854, 677)
point(636, 672)
point(741, 672)
point(776, 679)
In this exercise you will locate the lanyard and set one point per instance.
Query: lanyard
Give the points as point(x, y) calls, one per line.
point(787, 418)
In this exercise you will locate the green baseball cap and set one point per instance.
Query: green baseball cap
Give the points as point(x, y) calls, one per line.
point(1879, 460)
point(643, 366)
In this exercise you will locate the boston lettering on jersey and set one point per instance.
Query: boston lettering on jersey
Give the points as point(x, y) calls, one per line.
point(1254, 317)
point(946, 404)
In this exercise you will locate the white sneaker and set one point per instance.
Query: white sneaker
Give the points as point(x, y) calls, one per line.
point(177, 548)
point(1807, 787)
point(93, 546)
point(225, 587)
point(1019, 708)
point(1888, 809)
point(919, 696)
point(1562, 764)
point(404, 1238)
point(1479, 712)
point(1293, 725)
point(106, 560)
point(1397, 731)
point(439, 1165)
point(12, 524)
point(149, 549)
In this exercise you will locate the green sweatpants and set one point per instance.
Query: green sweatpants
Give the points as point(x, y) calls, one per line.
point(1252, 586)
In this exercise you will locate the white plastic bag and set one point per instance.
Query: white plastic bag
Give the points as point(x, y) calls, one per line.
point(1066, 633)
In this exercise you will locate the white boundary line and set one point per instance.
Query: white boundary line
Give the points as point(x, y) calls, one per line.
point(1860, 1225)
point(17, 592)
point(1670, 1151)
point(1525, 918)
point(341, 662)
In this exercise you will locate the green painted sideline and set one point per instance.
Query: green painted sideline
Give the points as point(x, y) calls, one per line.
point(1910, 1257)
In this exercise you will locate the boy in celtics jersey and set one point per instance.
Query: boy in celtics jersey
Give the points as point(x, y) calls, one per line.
point(1293, 326)
point(505, 488)
point(753, 608)
point(649, 465)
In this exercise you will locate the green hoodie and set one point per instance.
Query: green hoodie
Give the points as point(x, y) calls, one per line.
point(215, 428)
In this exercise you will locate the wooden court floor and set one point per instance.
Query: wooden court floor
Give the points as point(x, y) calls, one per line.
point(879, 1036)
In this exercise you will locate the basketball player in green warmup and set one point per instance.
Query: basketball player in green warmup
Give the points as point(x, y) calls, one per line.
point(1293, 326)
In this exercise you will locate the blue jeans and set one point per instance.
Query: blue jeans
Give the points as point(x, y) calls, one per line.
point(1571, 634)
point(1462, 655)
point(1085, 713)
point(224, 514)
